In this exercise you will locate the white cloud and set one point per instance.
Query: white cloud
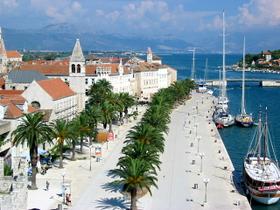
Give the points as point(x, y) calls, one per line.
point(59, 11)
point(8, 4)
point(260, 12)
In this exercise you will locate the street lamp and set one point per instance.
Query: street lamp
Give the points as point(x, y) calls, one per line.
point(206, 181)
point(201, 161)
point(90, 147)
point(198, 140)
point(63, 187)
point(196, 125)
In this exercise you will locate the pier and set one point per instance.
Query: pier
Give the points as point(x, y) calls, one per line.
point(260, 82)
point(196, 171)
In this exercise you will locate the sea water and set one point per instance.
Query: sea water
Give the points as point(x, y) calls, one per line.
point(236, 139)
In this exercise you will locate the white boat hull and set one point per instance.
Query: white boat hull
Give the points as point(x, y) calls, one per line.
point(265, 200)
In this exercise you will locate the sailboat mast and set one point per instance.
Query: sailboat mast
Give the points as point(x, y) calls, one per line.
point(224, 59)
point(206, 69)
point(243, 111)
point(265, 136)
point(259, 135)
point(193, 64)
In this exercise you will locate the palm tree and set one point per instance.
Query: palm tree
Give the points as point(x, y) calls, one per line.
point(108, 114)
point(127, 101)
point(32, 131)
point(146, 134)
point(134, 175)
point(82, 128)
point(72, 141)
point(138, 150)
point(94, 116)
point(61, 132)
point(99, 92)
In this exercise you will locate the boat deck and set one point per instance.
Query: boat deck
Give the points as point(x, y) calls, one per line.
point(262, 171)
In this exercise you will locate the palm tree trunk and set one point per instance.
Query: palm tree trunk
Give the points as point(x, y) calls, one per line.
point(61, 156)
point(133, 197)
point(73, 150)
point(81, 143)
point(34, 160)
point(110, 127)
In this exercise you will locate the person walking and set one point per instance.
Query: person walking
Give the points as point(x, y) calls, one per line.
point(47, 185)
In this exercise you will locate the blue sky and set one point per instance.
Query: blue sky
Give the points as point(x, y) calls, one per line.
point(190, 20)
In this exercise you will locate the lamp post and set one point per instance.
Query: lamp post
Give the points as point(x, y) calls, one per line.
point(201, 161)
point(196, 125)
point(63, 187)
point(198, 140)
point(90, 146)
point(206, 181)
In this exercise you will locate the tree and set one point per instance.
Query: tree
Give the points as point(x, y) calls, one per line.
point(108, 114)
point(61, 132)
point(99, 92)
point(82, 128)
point(134, 175)
point(138, 150)
point(94, 116)
point(146, 134)
point(127, 101)
point(32, 131)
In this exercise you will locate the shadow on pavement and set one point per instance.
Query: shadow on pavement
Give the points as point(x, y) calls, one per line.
point(112, 187)
point(117, 203)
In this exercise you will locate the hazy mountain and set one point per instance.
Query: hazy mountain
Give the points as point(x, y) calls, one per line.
point(61, 37)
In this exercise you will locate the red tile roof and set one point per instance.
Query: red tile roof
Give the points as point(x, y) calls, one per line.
point(13, 54)
point(56, 88)
point(13, 111)
point(2, 82)
point(62, 67)
point(47, 67)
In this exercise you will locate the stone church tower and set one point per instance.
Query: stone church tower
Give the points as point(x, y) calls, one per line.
point(3, 55)
point(77, 73)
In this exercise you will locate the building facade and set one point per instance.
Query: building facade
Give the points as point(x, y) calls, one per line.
point(54, 96)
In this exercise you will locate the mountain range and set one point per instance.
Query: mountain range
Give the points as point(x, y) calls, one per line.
point(61, 37)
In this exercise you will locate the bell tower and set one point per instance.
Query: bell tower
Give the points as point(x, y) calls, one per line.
point(77, 74)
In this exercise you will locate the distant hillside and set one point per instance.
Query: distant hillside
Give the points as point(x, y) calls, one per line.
point(62, 38)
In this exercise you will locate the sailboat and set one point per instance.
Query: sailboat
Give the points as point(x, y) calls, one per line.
point(244, 119)
point(221, 116)
point(261, 172)
point(202, 88)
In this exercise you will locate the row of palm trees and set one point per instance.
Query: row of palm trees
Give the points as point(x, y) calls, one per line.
point(137, 169)
point(104, 106)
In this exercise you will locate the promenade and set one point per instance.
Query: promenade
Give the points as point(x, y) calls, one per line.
point(194, 154)
point(88, 188)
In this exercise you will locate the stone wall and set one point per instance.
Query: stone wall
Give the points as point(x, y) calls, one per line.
point(13, 189)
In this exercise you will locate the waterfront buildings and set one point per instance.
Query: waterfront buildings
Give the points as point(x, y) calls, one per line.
point(135, 76)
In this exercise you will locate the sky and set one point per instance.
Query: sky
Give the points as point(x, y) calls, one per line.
point(190, 20)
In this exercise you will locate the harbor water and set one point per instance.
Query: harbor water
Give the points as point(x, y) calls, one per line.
point(236, 139)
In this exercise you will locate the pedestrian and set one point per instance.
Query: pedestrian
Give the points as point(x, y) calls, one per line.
point(47, 185)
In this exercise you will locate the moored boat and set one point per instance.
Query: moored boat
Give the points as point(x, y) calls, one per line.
point(244, 119)
point(221, 116)
point(261, 171)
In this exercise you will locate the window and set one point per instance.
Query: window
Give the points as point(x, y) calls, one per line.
point(14, 87)
point(36, 104)
point(25, 87)
point(73, 68)
point(78, 68)
point(92, 81)
point(87, 92)
point(86, 81)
